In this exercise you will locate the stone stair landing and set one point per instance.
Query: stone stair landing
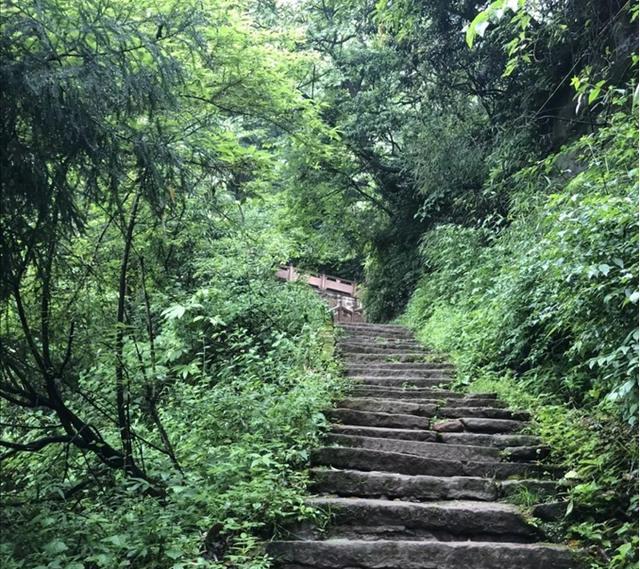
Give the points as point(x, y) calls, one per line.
point(413, 474)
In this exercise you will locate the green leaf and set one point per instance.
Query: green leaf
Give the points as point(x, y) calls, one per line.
point(604, 269)
point(55, 547)
point(174, 553)
point(174, 312)
point(481, 19)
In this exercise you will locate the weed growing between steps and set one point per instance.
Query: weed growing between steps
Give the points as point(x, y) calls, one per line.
point(545, 312)
point(244, 379)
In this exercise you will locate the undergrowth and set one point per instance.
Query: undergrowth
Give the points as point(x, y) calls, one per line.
point(244, 382)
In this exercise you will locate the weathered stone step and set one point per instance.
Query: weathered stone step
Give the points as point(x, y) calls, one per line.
point(380, 342)
point(483, 412)
point(376, 337)
point(376, 371)
point(398, 374)
point(385, 484)
point(404, 365)
point(372, 326)
point(423, 399)
point(389, 406)
point(364, 329)
point(476, 425)
point(418, 487)
point(402, 381)
point(424, 392)
point(377, 333)
point(419, 448)
point(400, 357)
point(388, 554)
point(352, 348)
point(370, 419)
point(499, 441)
point(472, 519)
point(352, 354)
point(418, 400)
point(382, 432)
point(401, 463)
point(494, 440)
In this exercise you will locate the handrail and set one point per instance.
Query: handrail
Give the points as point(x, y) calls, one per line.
point(340, 294)
point(320, 281)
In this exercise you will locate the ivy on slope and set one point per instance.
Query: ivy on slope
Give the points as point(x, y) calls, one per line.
point(545, 311)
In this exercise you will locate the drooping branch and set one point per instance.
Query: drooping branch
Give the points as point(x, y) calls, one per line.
point(33, 446)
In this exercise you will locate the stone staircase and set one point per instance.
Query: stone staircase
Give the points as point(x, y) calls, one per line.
point(412, 474)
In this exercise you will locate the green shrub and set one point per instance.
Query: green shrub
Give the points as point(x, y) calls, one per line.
point(244, 379)
point(555, 294)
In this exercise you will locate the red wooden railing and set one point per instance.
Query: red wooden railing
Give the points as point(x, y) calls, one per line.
point(340, 294)
point(321, 281)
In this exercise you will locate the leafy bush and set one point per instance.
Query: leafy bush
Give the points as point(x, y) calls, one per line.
point(555, 294)
point(392, 269)
point(244, 379)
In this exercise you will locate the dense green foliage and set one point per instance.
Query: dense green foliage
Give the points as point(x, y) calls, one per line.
point(433, 130)
point(474, 163)
point(553, 295)
point(243, 382)
point(159, 391)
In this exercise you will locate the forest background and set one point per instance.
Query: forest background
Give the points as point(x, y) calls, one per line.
point(473, 164)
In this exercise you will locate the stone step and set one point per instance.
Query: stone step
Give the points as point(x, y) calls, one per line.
point(375, 371)
point(401, 463)
point(376, 337)
point(419, 448)
point(371, 329)
point(390, 485)
point(363, 394)
point(464, 518)
point(389, 406)
point(420, 398)
point(372, 326)
point(370, 419)
point(499, 441)
point(475, 425)
point(404, 365)
point(347, 349)
point(407, 382)
point(494, 440)
point(375, 334)
point(380, 342)
point(400, 357)
point(395, 554)
point(355, 353)
point(356, 375)
point(418, 487)
point(482, 412)
point(413, 392)
point(382, 432)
